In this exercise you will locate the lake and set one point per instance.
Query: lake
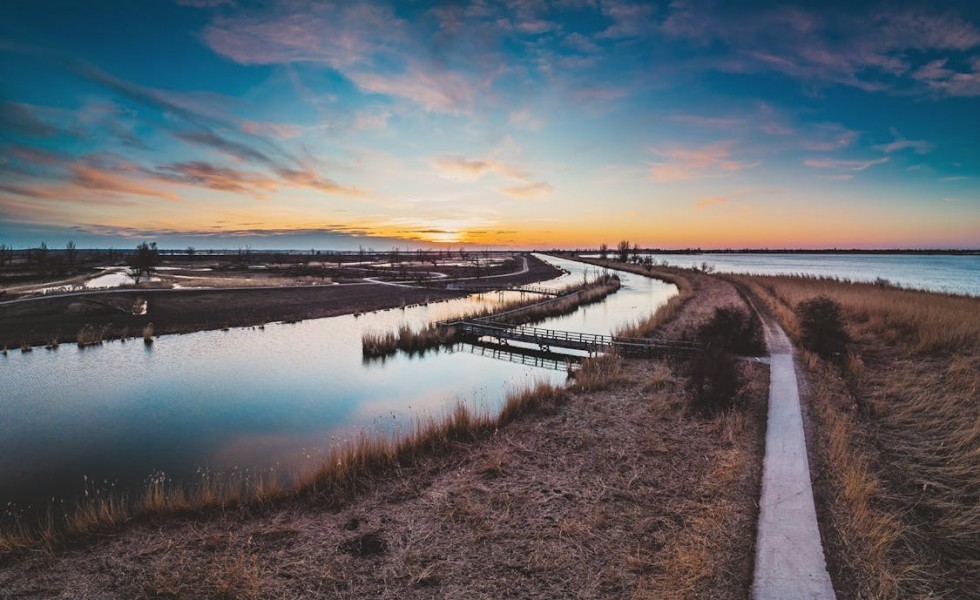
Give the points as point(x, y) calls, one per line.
point(957, 274)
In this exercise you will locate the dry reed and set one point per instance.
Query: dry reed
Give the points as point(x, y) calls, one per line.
point(900, 432)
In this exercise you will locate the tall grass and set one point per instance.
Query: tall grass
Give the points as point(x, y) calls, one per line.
point(598, 372)
point(351, 467)
point(89, 335)
point(905, 465)
point(517, 312)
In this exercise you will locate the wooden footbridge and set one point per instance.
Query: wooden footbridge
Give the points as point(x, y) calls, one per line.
point(526, 289)
point(548, 339)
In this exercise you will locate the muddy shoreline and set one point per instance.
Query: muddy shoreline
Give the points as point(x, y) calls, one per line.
point(60, 318)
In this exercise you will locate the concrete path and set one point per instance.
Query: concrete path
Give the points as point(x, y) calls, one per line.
point(789, 559)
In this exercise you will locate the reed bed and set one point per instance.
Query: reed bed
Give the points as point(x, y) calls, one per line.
point(90, 335)
point(598, 372)
point(899, 429)
point(518, 312)
point(351, 467)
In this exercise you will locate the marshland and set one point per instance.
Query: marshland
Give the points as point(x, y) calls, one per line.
point(257, 399)
point(367, 465)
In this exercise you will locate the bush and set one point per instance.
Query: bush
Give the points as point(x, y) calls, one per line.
point(713, 381)
point(713, 377)
point(822, 327)
point(732, 330)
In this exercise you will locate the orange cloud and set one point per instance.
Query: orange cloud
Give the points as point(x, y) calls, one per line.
point(528, 191)
point(712, 201)
point(93, 178)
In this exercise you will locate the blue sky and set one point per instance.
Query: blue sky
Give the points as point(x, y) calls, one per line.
point(220, 123)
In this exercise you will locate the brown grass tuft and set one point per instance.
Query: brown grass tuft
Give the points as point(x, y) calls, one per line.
point(598, 373)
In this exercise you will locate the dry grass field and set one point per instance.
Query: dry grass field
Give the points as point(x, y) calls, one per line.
point(896, 427)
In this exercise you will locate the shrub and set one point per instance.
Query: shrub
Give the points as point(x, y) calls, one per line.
point(733, 330)
point(713, 380)
point(822, 327)
point(713, 377)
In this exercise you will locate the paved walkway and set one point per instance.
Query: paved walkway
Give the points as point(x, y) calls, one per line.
point(789, 559)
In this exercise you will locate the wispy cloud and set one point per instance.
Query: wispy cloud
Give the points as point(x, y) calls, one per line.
point(829, 137)
point(460, 168)
point(527, 191)
point(684, 163)
point(463, 169)
point(20, 119)
point(445, 92)
point(843, 165)
point(282, 131)
point(207, 175)
point(868, 50)
point(951, 81)
point(237, 150)
point(900, 143)
point(710, 201)
point(98, 179)
point(524, 119)
point(719, 122)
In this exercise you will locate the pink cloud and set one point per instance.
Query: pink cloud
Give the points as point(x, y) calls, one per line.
point(867, 51)
point(527, 191)
point(434, 91)
point(95, 178)
point(682, 164)
point(282, 131)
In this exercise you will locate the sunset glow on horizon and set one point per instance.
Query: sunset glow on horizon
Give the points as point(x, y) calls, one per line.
point(562, 123)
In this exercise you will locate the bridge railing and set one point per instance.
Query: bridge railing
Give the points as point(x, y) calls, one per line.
point(556, 337)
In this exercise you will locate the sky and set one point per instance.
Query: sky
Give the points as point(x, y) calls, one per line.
point(529, 124)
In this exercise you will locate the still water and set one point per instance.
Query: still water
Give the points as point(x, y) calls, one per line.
point(957, 274)
point(250, 399)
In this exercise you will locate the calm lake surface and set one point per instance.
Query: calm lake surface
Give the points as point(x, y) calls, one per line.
point(957, 274)
point(250, 399)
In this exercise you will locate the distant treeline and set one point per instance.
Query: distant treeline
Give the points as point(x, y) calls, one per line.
point(975, 251)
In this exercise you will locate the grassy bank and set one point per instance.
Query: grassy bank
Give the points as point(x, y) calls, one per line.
point(517, 312)
point(896, 426)
point(349, 468)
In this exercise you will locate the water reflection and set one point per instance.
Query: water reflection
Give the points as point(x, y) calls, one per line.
point(249, 398)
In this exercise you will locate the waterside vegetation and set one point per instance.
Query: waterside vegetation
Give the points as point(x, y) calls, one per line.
point(518, 312)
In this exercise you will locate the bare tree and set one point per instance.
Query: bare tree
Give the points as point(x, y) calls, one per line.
point(71, 253)
point(144, 261)
point(603, 250)
point(190, 251)
point(623, 250)
point(636, 253)
point(42, 253)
